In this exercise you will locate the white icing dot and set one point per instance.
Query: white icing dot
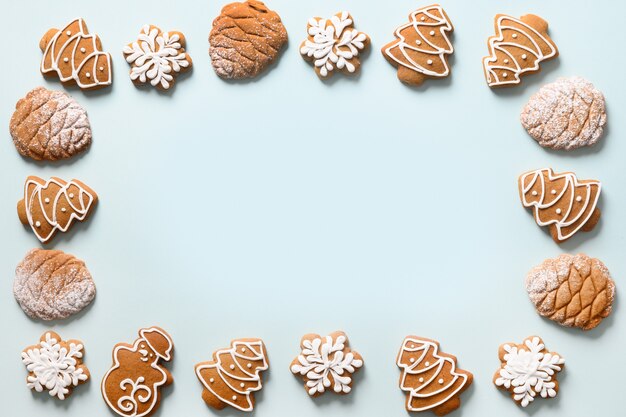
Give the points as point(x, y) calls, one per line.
point(88, 74)
point(504, 75)
point(553, 192)
point(579, 199)
point(66, 59)
point(68, 33)
point(558, 211)
point(514, 36)
point(71, 195)
point(211, 380)
point(38, 224)
point(426, 363)
point(418, 42)
point(243, 349)
point(506, 61)
point(151, 355)
point(440, 381)
point(47, 200)
point(63, 209)
point(534, 193)
point(249, 365)
point(242, 385)
point(422, 18)
point(524, 56)
point(429, 62)
point(432, 33)
point(101, 69)
point(234, 397)
point(421, 379)
point(83, 50)
point(232, 366)
point(412, 360)
point(412, 346)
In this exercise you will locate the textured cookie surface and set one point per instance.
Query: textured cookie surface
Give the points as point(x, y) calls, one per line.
point(422, 46)
point(245, 39)
point(518, 48)
point(567, 114)
point(49, 125)
point(51, 285)
point(430, 378)
point(572, 290)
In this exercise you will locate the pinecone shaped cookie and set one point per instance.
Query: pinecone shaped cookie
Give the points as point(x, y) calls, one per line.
point(572, 290)
point(49, 125)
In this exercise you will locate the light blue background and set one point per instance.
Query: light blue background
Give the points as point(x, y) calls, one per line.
point(287, 205)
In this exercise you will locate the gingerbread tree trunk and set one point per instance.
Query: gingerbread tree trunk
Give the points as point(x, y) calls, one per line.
point(561, 201)
point(518, 47)
point(234, 374)
point(430, 378)
point(53, 205)
point(422, 46)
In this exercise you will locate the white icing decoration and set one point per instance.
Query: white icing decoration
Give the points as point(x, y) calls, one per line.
point(257, 351)
point(321, 358)
point(422, 347)
point(529, 371)
point(139, 393)
point(571, 182)
point(333, 44)
point(154, 56)
point(497, 43)
point(441, 24)
point(53, 367)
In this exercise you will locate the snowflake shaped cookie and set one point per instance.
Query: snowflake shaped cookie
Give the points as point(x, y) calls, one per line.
point(326, 362)
point(528, 369)
point(333, 44)
point(156, 57)
point(55, 365)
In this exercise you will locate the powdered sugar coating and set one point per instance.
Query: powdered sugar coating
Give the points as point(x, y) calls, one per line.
point(567, 114)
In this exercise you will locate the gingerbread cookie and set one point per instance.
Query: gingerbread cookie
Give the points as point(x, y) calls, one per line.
point(49, 125)
point(326, 362)
point(52, 285)
point(430, 378)
point(566, 114)
point(132, 387)
point(572, 290)
point(156, 57)
point(246, 38)
point(561, 201)
point(55, 365)
point(517, 49)
point(53, 205)
point(528, 369)
point(422, 46)
point(334, 44)
point(234, 374)
point(75, 56)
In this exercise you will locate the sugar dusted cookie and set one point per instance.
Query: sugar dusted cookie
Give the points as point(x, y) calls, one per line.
point(422, 46)
point(518, 48)
point(52, 285)
point(430, 378)
point(55, 365)
point(246, 38)
point(75, 56)
point(567, 114)
point(234, 374)
point(49, 125)
point(333, 44)
point(561, 201)
point(132, 386)
point(52, 206)
point(572, 290)
point(528, 370)
point(156, 57)
point(326, 363)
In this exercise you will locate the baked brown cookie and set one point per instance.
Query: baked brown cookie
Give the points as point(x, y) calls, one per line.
point(246, 38)
point(49, 125)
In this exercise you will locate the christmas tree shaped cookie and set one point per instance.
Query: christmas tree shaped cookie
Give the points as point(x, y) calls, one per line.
point(430, 378)
point(517, 48)
point(53, 205)
point(234, 374)
point(561, 201)
point(422, 46)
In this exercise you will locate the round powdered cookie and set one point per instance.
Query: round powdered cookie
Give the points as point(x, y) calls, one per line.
point(51, 285)
point(574, 291)
point(567, 114)
point(49, 125)
point(245, 39)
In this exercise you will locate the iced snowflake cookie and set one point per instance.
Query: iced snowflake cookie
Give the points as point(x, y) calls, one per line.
point(75, 56)
point(566, 114)
point(528, 370)
point(246, 38)
point(326, 362)
point(132, 386)
point(55, 365)
point(234, 374)
point(422, 46)
point(52, 285)
point(517, 49)
point(430, 378)
point(52, 206)
point(49, 125)
point(572, 290)
point(561, 201)
point(156, 57)
point(334, 44)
